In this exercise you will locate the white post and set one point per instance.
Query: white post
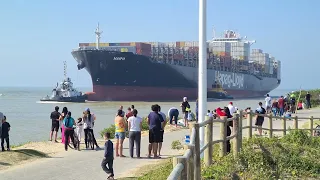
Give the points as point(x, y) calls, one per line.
point(202, 76)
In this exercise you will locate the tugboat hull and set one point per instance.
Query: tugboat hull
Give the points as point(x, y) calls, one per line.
point(77, 99)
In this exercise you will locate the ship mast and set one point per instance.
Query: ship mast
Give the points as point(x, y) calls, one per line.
point(98, 36)
point(65, 69)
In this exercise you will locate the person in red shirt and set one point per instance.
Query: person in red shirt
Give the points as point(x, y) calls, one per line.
point(129, 113)
point(281, 105)
point(220, 113)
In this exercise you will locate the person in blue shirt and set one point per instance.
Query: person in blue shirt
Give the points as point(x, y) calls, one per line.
point(155, 122)
point(107, 162)
point(68, 123)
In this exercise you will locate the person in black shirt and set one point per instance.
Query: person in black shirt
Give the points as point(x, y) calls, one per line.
point(185, 110)
point(308, 99)
point(5, 133)
point(108, 156)
point(54, 116)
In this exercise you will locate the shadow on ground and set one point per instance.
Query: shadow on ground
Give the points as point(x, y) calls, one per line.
point(14, 157)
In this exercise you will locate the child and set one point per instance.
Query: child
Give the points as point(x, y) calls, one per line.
point(108, 156)
point(5, 133)
point(79, 128)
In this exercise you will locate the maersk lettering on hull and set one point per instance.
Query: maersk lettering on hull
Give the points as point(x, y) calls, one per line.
point(132, 77)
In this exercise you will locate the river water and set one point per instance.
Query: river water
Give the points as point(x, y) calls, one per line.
point(30, 120)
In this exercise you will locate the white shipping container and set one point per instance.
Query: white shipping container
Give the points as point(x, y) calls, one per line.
point(271, 70)
point(170, 44)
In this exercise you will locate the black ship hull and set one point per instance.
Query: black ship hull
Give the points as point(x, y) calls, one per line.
point(125, 76)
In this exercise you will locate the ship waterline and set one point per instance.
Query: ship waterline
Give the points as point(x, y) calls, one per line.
point(136, 93)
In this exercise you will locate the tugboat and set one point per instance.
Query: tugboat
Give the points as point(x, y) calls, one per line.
point(217, 92)
point(65, 91)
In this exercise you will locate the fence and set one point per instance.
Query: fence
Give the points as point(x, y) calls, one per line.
point(188, 166)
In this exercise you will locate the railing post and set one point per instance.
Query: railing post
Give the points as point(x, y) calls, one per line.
point(240, 129)
point(184, 171)
point(284, 125)
point(191, 163)
point(223, 134)
point(197, 160)
point(208, 140)
point(270, 126)
point(236, 147)
point(295, 122)
point(249, 123)
point(174, 162)
point(311, 126)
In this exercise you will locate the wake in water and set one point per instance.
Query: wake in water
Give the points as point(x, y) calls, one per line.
point(50, 102)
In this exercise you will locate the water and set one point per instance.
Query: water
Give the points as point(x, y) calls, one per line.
point(30, 119)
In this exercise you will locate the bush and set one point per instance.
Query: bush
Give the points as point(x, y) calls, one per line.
point(315, 98)
point(111, 130)
point(291, 157)
point(176, 145)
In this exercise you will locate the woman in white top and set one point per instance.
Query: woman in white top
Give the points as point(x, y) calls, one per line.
point(135, 126)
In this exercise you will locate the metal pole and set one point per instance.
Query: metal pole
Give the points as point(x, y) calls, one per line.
point(202, 76)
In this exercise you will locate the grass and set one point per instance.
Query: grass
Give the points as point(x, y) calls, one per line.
point(14, 157)
point(293, 156)
point(306, 125)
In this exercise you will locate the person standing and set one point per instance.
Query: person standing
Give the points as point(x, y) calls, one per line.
point(155, 125)
point(122, 112)
point(129, 113)
point(54, 116)
point(163, 119)
point(232, 109)
point(281, 105)
point(173, 114)
point(308, 100)
point(120, 133)
point(135, 126)
point(1, 118)
point(197, 109)
point(268, 103)
point(108, 156)
point(61, 118)
point(5, 133)
point(260, 119)
point(88, 123)
point(185, 110)
point(68, 123)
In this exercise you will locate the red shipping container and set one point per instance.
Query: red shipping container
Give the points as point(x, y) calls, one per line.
point(124, 44)
point(178, 56)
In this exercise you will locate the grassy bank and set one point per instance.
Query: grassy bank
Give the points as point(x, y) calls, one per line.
point(291, 157)
point(315, 98)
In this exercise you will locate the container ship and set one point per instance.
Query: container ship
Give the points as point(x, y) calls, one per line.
point(168, 71)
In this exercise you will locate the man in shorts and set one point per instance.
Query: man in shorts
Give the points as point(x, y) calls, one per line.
point(155, 125)
point(54, 116)
point(164, 120)
point(260, 119)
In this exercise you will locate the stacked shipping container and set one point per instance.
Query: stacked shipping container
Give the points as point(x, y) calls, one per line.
point(263, 59)
point(240, 50)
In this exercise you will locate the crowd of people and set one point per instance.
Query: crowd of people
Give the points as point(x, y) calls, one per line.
point(67, 125)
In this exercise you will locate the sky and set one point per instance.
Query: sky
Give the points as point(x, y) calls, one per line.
point(37, 36)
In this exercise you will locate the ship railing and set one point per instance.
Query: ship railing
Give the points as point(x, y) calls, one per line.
point(188, 166)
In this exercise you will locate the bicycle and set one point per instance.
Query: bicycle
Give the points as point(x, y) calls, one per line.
point(90, 140)
point(76, 142)
point(317, 130)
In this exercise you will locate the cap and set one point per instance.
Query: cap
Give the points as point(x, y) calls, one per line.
point(87, 109)
point(231, 103)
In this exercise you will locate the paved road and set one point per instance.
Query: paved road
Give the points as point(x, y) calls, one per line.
point(84, 165)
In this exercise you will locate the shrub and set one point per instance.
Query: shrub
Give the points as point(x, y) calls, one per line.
point(111, 130)
point(176, 145)
point(291, 157)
